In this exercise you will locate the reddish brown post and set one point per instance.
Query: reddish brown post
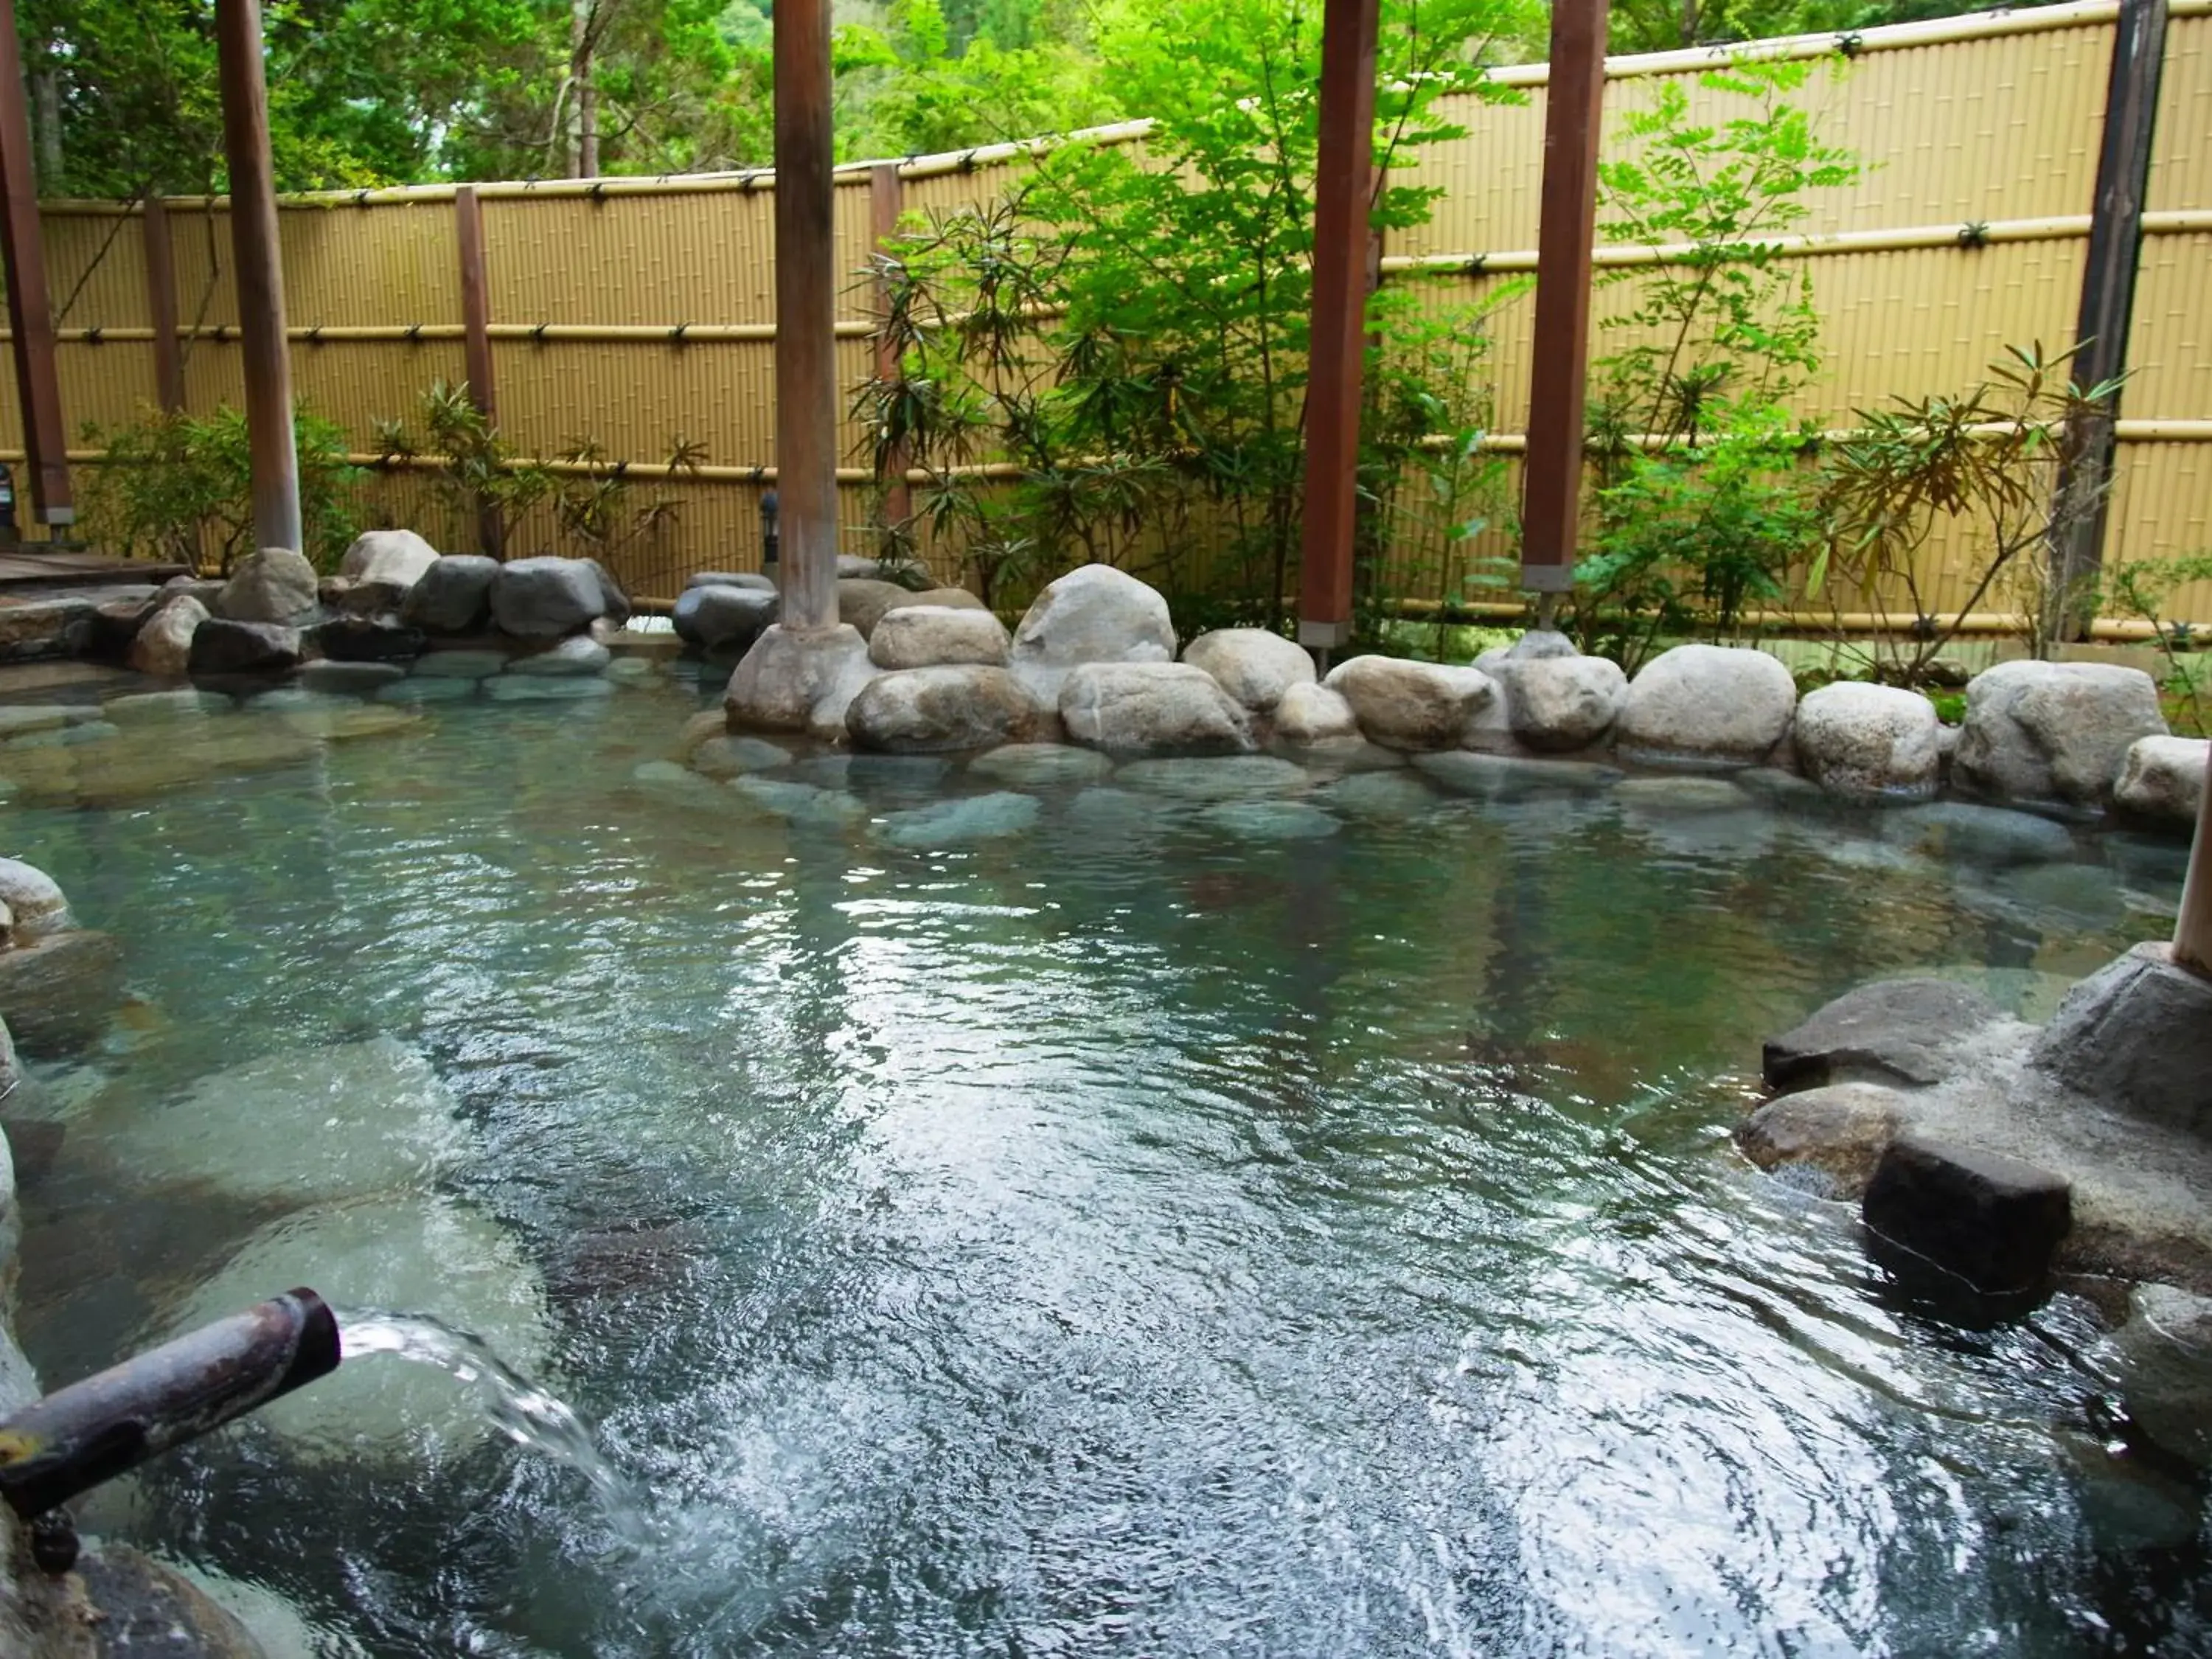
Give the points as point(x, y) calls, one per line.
point(162, 307)
point(260, 276)
point(476, 328)
point(1551, 480)
point(886, 201)
point(30, 315)
point(806, 315)
point(2192, 932)
point(1342, 178)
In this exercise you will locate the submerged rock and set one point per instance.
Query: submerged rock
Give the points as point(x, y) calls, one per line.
point(459, 665)
point(1993, 834)
point(1268, 820)
point(308, 1125)
point(1252, 664)
point(801, 802)
point(960, 822)
point(355, 679)
point(1096, 614)
point(570, 659)
point(1504, 777)
point(724, 756)
point(1041, 764)
point(2166, 1352)
point(2049, 731)
point(424, 1255)
point(546, 688)
point(1234, 777)
point(140, 707)
point(1378, 795)
point(57, 993)
point(1708, 705)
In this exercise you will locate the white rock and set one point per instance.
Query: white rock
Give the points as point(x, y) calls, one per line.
point(395, 557)
point(1252, 664)
point(1560, 702)
point(2054, 732)
point(1414, 706)
point(932, 635)
point(305, 1125)
point(798, 680)
point(937, 711)
point(1869, 741)
point(1156, 706)
point(1713, 704)
point(34, 899)
point(2164, 779)
point(164, 645)
point(1313, 714)
point(413, 1254)
point(1096, 614)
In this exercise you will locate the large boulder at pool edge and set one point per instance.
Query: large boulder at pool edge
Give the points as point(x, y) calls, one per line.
point(1253, 665)
point(452, 596)
point(274, 585)
point(393, 558)
point(1711, 705)
point(2163, 780)
point(545, 597)
point(723, 617)
point(1095, 614)
point(1415, 705)
point(939, 710)
point(1868, 741)
point(2054, 732)
point(1151, 707)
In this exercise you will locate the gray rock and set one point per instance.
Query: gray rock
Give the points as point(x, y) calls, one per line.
point(1502, 777)
point(634, 670)
point(937, 711)
point(750, 579)
point(1041, 764)
point(203, 588)
point(415, 690)
point(1680, 797)
point(548, 688)
point(1841, 1130)
point(862, 601)
point(370, 639)
point(935, 636)
point(1868, 742)
point(137, 1607)
point(1542, 645)
point(961, 822)
point(1149, 707)
point(851, 567)
point(1252, 664)
point(360, 679)
point(1115, 815)
point(1896, 1031)
point(221, 648)
point(275, 585)
point(57, 993)
point(1562, 702)
point(798, 680)
point(11, 1078)
point(2136, 1036)
point(1992, 835)
point(725, 619)
point(37, 629)
point(1378, 795)
point(460, 665)
point(2163, 779)
point(163, 647)
point(1268, 820)
point(801, 803)
point(2165, 1355)
point(2049, 732)
point(615, 608)
point(1783, 788)
point(878, 775)
point(299, 700)
point(1236, 777)
point(27, 719)
point(34, 900)
point(1707, 705)
point(542, 598)
point(397, 558)
point(567, 660)
point(1313, 714)
point(1412, 706)
point(724, 757)
point(453, 595)
point(143, 708)
point(1096, 614)
point(1994, 1221)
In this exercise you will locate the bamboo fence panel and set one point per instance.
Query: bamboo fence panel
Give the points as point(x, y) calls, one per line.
point(631, 312)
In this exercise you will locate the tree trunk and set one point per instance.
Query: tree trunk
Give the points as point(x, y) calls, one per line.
point(583, 156)
point(46, 127)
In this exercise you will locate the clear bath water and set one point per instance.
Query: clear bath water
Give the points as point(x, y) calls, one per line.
point(1117, 1238)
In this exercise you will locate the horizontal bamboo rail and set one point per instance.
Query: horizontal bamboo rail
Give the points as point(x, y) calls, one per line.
point(1977, 623)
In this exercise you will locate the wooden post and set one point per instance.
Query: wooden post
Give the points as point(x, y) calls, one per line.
point(260, 277)
point(1342, 176)
point(162, 307)
point(30, 314)
point(886, 201)
point(2108, 300)
point(806, 315)
point(2193, 930)
point(476, 328)
point(1551, 478)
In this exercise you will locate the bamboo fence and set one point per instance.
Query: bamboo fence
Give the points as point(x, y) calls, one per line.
point(635, 312)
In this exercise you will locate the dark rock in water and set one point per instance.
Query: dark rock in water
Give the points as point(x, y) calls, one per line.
point(2137, 1036)
point(115, 623)
point(1895, 1030)
point(57, 993)
point(370, 639)
point(1993, 1221)
point(727, 619)
point(220, 646)
point(145, 1611)
point(45, 627)
point(625, 1260)
point(615, 604)
point(544, 598)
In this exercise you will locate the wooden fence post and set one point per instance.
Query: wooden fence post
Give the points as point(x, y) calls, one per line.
point(260, 277)
point(886, 201)
point(1552, 475)
point(30, 314)
point(2193, 930)
point(1337, 352)
point(806, 315)
point(162, 307)
point(476, 328)
point(2108, 302)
